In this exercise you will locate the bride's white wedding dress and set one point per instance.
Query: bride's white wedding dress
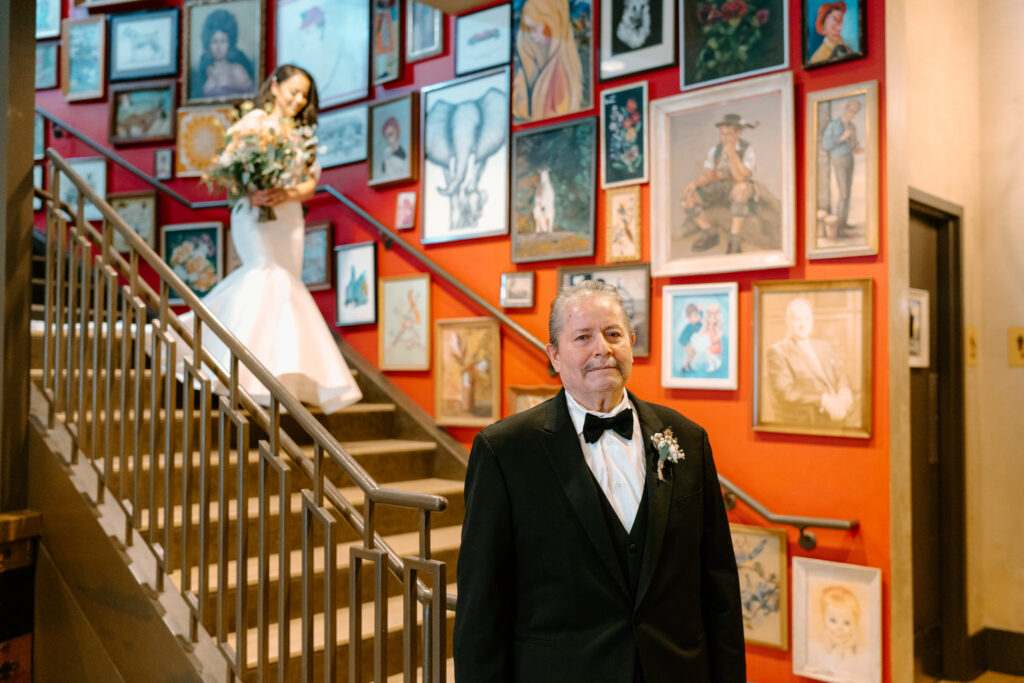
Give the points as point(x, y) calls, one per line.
point(267, 307)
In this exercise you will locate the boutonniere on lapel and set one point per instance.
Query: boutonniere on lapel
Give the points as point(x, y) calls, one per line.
point(668, 451)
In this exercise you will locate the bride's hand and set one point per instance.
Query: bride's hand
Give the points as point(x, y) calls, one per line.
point(271, 197)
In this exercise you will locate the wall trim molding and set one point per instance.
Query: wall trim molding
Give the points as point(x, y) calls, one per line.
point(1001, 651)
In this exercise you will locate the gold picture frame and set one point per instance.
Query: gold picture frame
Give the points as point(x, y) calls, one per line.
point(244, 21)
point(522, 397)
point(467, 384)
point(623, 225)
point(84, 40)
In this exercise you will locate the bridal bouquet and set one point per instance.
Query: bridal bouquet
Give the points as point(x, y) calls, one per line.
point(257, 156)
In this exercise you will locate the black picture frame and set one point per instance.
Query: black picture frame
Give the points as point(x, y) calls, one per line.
point(162, 20)
point(810, 38)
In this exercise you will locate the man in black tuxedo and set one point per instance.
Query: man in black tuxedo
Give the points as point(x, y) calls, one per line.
point(582, 560)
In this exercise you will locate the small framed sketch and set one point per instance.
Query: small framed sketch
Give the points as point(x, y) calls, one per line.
point(467, 387)
point(38, 181)
point(553, 187)
point(842, 171)
point(201, 133)
point(394, 140)
point(195, 251)
point(94, 172)
point(761, 556)
point(462, 206)
point(142, 112)
point(833, 32)
point(919, 324)
point(633, 283)
point(812, 357)
point(624, 135)
point(699, 325)
point(144, 44)
point(703, 218)
point(837, 621)
point(386, 61)
point(522, 397)
point(405, 210)
point(721, 40)
point(83, 59)
point(48, 18)
point(356, 287)
point(343, 133)
point(517, 289)
point(222, 55)
point(636, 36)
point(163, 164)
point(483, 39)
point(138, 209)
point(39, 137)
point(46, 64)
point(403, 342)
point(622, 226)
point(316, 256)
point(424, 31)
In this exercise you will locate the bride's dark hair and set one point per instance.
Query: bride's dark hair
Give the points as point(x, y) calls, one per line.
point(307, 115)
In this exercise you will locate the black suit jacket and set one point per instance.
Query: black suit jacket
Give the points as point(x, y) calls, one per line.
point(541, 594)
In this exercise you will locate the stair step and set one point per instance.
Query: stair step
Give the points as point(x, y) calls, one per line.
point(400, 677)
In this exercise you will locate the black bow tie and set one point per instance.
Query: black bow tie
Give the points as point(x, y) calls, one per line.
point(594, 426)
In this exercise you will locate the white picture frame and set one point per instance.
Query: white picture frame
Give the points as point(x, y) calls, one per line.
point(918, 327)
point(517, 289)
point(483, 39)
point(618, 58)
point(343, 132)
point(93, 171)
point(699, 336)
point(356, 286)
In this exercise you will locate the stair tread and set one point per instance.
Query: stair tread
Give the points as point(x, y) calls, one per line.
point(400, 676)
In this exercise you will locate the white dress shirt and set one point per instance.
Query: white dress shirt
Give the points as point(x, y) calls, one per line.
point(617, 464)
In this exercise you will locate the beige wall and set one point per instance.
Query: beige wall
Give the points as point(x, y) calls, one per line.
point(965, 112)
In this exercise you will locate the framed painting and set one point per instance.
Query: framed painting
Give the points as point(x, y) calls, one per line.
point(138, 209)
point(144, 44)
point(919, 326)
point(405, 210)
point(553, 188)
point(721, 40)
point(343, 133)
point(38, 137)
point(517, 289)
point(163, 164)
point(833, 32)
point(201, 133)
point(636, 36)
point(462, 205)
point(723, 180)
point(522, 397)
point(316, 256)
point(46, 64)
point(699, 336)
point(387, 41)
point(467, 387)
point(624, 136)
point(142, 112)
point(837, 621)
point(331, 40)
point(83, 59)
point(47, 18)
point(356, 287)
point(842, 171)
point(404, 338)
point(94, 172)
point(89, 4)
point(761, 556)
point(195, 252)
point(424, 31)
point(483, 39)
point(812, 357)
point(622, 225)
point(551, 37)
point(394, 140)
point(222, 55)
point(38, 181)
point(633, 283)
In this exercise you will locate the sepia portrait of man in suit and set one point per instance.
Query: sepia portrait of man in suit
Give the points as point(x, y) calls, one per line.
point(583, 558)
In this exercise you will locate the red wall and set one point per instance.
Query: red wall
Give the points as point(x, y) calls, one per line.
point(801, 475)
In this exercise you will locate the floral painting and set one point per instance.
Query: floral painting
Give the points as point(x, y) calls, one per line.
point(194, 251)
point(200, 134)
point(469, 372)
point(761, 564)
point(726, 39)
point(624, 135)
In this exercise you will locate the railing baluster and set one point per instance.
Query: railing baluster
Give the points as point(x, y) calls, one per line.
point(267, 462)
point(312, 514)
point(58, 360)
point(84, 439)
point(109, 339)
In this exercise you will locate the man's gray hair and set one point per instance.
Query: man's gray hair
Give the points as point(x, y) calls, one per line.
point(572, 294)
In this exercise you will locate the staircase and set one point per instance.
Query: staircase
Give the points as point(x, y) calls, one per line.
point(391, 438)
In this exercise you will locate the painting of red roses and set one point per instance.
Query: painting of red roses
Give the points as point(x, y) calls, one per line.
point(727, 39)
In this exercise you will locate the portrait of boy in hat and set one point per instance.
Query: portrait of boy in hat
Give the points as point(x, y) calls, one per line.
point(833, 31)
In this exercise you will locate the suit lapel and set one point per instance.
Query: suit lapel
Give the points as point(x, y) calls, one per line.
point(659, 493)
point(566, 458)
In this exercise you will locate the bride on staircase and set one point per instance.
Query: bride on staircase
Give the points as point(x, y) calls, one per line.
point(264, 302)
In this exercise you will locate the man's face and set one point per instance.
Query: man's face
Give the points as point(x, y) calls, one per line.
point(833, 24)
point(594, 356)
point(391, 135)
point(800, 320)
point(728, 135)
point(850, 110)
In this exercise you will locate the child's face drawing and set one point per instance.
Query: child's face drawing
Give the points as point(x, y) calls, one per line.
point(839, 624)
